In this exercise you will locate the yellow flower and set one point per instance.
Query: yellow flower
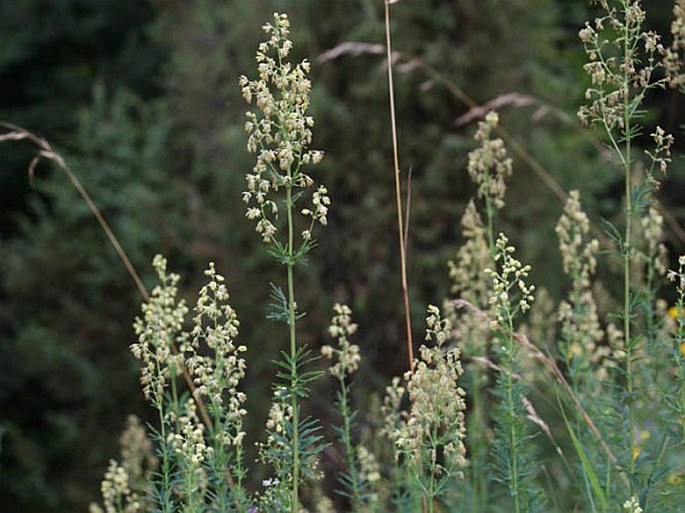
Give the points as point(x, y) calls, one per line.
point(673, 312)
point(636, 453)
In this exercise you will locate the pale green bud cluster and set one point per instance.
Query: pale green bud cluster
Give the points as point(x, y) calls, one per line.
point(653, 232)
point(189, 442)
point(673, 58)
point(280, 133)
point(213, 359)
point(347, 354)
point(435, 423)
point(489, 164)
point(678, 277)
point(117, 496)
point(509, 281)
point(618, 76)
point(158, 330)
point(632, 505)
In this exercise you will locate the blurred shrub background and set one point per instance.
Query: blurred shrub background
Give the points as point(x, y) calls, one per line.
point(142, 99)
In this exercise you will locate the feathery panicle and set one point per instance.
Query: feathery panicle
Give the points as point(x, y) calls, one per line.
point(430, 436)
point(673, 57)
point(346, 354)
point(280, 134)
point(507, 282)
point(653, 232)
point(580, 328)
point(158, 330)
point(619, 76)
point(489, 164)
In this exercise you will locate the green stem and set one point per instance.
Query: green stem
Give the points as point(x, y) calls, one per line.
point(627, 249)
point(513, 435)
point(477, 428)
point(294, 507)
point(165, 467)
point(349, 449)
point(489, 211)
point(432, 492)
point(431, 496)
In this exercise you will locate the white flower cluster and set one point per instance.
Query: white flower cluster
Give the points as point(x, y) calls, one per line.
point(661, 156)
point(160, 327)
point(125, 483)
point(280, 413)
point(431, 435)
point(673, 59)
point(346, 354)
point(281, 133)
point(653, 232)
point(117, 496)
point(618, 75)
point(190, 443)
point(470, 283)
point(489, 164)
point(632, 506)
point(391, 410)
point(136, 451)
point(213, 358)
point(578, 315)
point(678, 277)
point(504, 282)
point(370, 470)
point(466, 273)
point(578, 257)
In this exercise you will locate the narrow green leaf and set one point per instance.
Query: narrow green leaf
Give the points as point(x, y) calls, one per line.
point(585, 462)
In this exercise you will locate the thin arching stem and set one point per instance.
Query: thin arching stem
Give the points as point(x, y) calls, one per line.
point(398, 191)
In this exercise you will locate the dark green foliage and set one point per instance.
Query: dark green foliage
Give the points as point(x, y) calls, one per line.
point(72, 302)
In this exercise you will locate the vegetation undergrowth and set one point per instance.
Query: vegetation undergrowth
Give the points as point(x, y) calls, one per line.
point(465, 428)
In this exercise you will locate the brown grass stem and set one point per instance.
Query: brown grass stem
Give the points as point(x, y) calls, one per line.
point(398, 190)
